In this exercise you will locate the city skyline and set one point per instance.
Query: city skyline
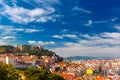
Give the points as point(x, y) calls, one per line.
point(67, 27)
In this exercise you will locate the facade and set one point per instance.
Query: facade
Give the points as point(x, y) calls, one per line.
point(11, 60)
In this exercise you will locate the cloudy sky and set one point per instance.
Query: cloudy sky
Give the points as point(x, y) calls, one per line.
point(67, 27)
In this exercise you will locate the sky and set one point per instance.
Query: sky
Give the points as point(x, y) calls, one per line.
point(67, 27)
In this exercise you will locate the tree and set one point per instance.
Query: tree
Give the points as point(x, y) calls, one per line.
point(55, 77)
point(7, 72)
point(37, 74)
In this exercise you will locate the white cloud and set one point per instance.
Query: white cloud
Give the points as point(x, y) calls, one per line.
point(32, 30)
point(45, 19)
point(58, 36)
point(36, 12)
point(24, 15)
point(48, 1)
point(46, 43)
point(89, 23)
point(42, 2)
point(81, 50)
point(10, 28)
point(102, 39)
point(114, 35)
point(73, 36)
point(32, 42)
point(81, 10)
point(104, 44)
point(41, 42)
point(117, 27)
point(8, 37)
point(11, 34)
point(13, 30)
point(70, 35)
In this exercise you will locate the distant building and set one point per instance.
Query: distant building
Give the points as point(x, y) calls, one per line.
point(10, 59)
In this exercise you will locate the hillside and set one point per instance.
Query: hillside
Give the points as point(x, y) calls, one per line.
point(28, 50)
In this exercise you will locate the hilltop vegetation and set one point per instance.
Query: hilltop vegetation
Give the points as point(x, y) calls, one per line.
point(24, 49)
point(6, 49)
point(28, 50)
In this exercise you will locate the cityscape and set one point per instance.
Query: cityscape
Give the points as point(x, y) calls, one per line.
point(59, 40)
point(70, 69)
point(90, 69)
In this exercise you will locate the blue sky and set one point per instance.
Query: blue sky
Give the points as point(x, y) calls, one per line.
point(67, 27)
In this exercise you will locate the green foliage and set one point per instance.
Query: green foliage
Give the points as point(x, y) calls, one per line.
point(37, 74)
point(7, 72)
point(55, 77)
point(6, 49)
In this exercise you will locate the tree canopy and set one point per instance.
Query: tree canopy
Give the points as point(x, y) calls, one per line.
point(7, 72)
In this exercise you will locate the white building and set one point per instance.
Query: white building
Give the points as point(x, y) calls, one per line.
point(11, 60)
